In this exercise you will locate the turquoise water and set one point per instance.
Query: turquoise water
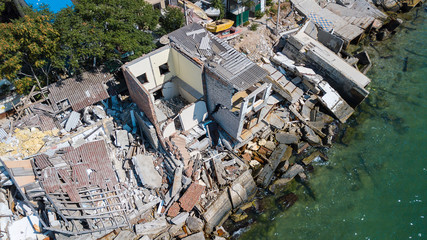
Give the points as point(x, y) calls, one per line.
point(54, 5)
point(374, 185)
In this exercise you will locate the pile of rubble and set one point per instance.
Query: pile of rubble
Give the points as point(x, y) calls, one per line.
point(97, 173)
point(88, 165)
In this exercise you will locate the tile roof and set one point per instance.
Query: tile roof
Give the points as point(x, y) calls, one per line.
point(190, 198)
point(81, 91)
point(222, 59)
point(88, 166)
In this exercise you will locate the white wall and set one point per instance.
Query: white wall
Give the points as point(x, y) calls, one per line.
point(188, 72)
point(150, 66)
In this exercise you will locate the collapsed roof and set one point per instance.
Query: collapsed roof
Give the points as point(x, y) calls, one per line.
point(220, 58)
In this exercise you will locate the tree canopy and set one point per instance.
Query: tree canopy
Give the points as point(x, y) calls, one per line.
point(3, 5)
point(94, 31)
point(87, 35)
point(172, 19)
point(27, 46)
point(219, 5)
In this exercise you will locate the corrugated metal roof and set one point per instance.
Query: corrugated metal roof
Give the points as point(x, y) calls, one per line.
point(81, 91)
point(222, 59)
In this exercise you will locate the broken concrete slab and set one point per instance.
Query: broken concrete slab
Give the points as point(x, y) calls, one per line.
point(217, 212)
point(194, 224)
point(99, 112)
point(151, 228)
point(238, 195)
point(196, 236)
point(293, 171)
point(247, 182)
point(122, 139)
point(281, 153)
point(270, 145)
point(148, 129)
point(275, 121)
point(311, 137)
point(144, 167)
point(177, 181)
point(310, 158)
point(219, 170)
point(24, 228)
point(333, 101)
point(287, 138)
point(180, 218)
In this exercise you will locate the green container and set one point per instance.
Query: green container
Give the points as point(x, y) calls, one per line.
point(238, 18)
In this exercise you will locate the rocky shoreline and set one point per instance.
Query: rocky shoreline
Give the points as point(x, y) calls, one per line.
point(107, 170)
point(280, 196)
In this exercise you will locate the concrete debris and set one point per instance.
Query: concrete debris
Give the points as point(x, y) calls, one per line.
point(25, 228)
point(287, 138)
point(144, 167)
point(125, 235)
point(180, 219)
point(122, 139)
point(311, 137)
point(194, 224)
point(151, 228)
point(281, 153)
point(293, 171)
point(207, 126)
point(196, 236)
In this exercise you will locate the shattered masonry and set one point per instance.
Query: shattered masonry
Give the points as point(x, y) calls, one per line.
point(202, 128)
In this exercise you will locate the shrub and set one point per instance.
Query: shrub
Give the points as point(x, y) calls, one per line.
point(269, 2)
point(245, 24)
point(259, 14)
point(253, 27)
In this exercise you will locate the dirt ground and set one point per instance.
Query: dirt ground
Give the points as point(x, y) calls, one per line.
point(260, 43)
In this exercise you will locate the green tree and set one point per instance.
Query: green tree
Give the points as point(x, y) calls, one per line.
point(27, 47)
point(172, 19)
point(3, 4)
point(219, 5)
point(96, 31)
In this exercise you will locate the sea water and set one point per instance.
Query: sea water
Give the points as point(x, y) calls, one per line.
point(374, 185)
point(53, 5)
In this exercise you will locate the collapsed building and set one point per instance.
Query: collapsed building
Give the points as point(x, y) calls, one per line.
point(205, 76)
point(205, 127)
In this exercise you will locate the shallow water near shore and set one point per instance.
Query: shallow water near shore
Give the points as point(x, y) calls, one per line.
point(374, 185)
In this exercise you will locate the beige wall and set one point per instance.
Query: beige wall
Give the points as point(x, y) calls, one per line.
point(188, 72)
point(179, 66)
point(150, 66)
